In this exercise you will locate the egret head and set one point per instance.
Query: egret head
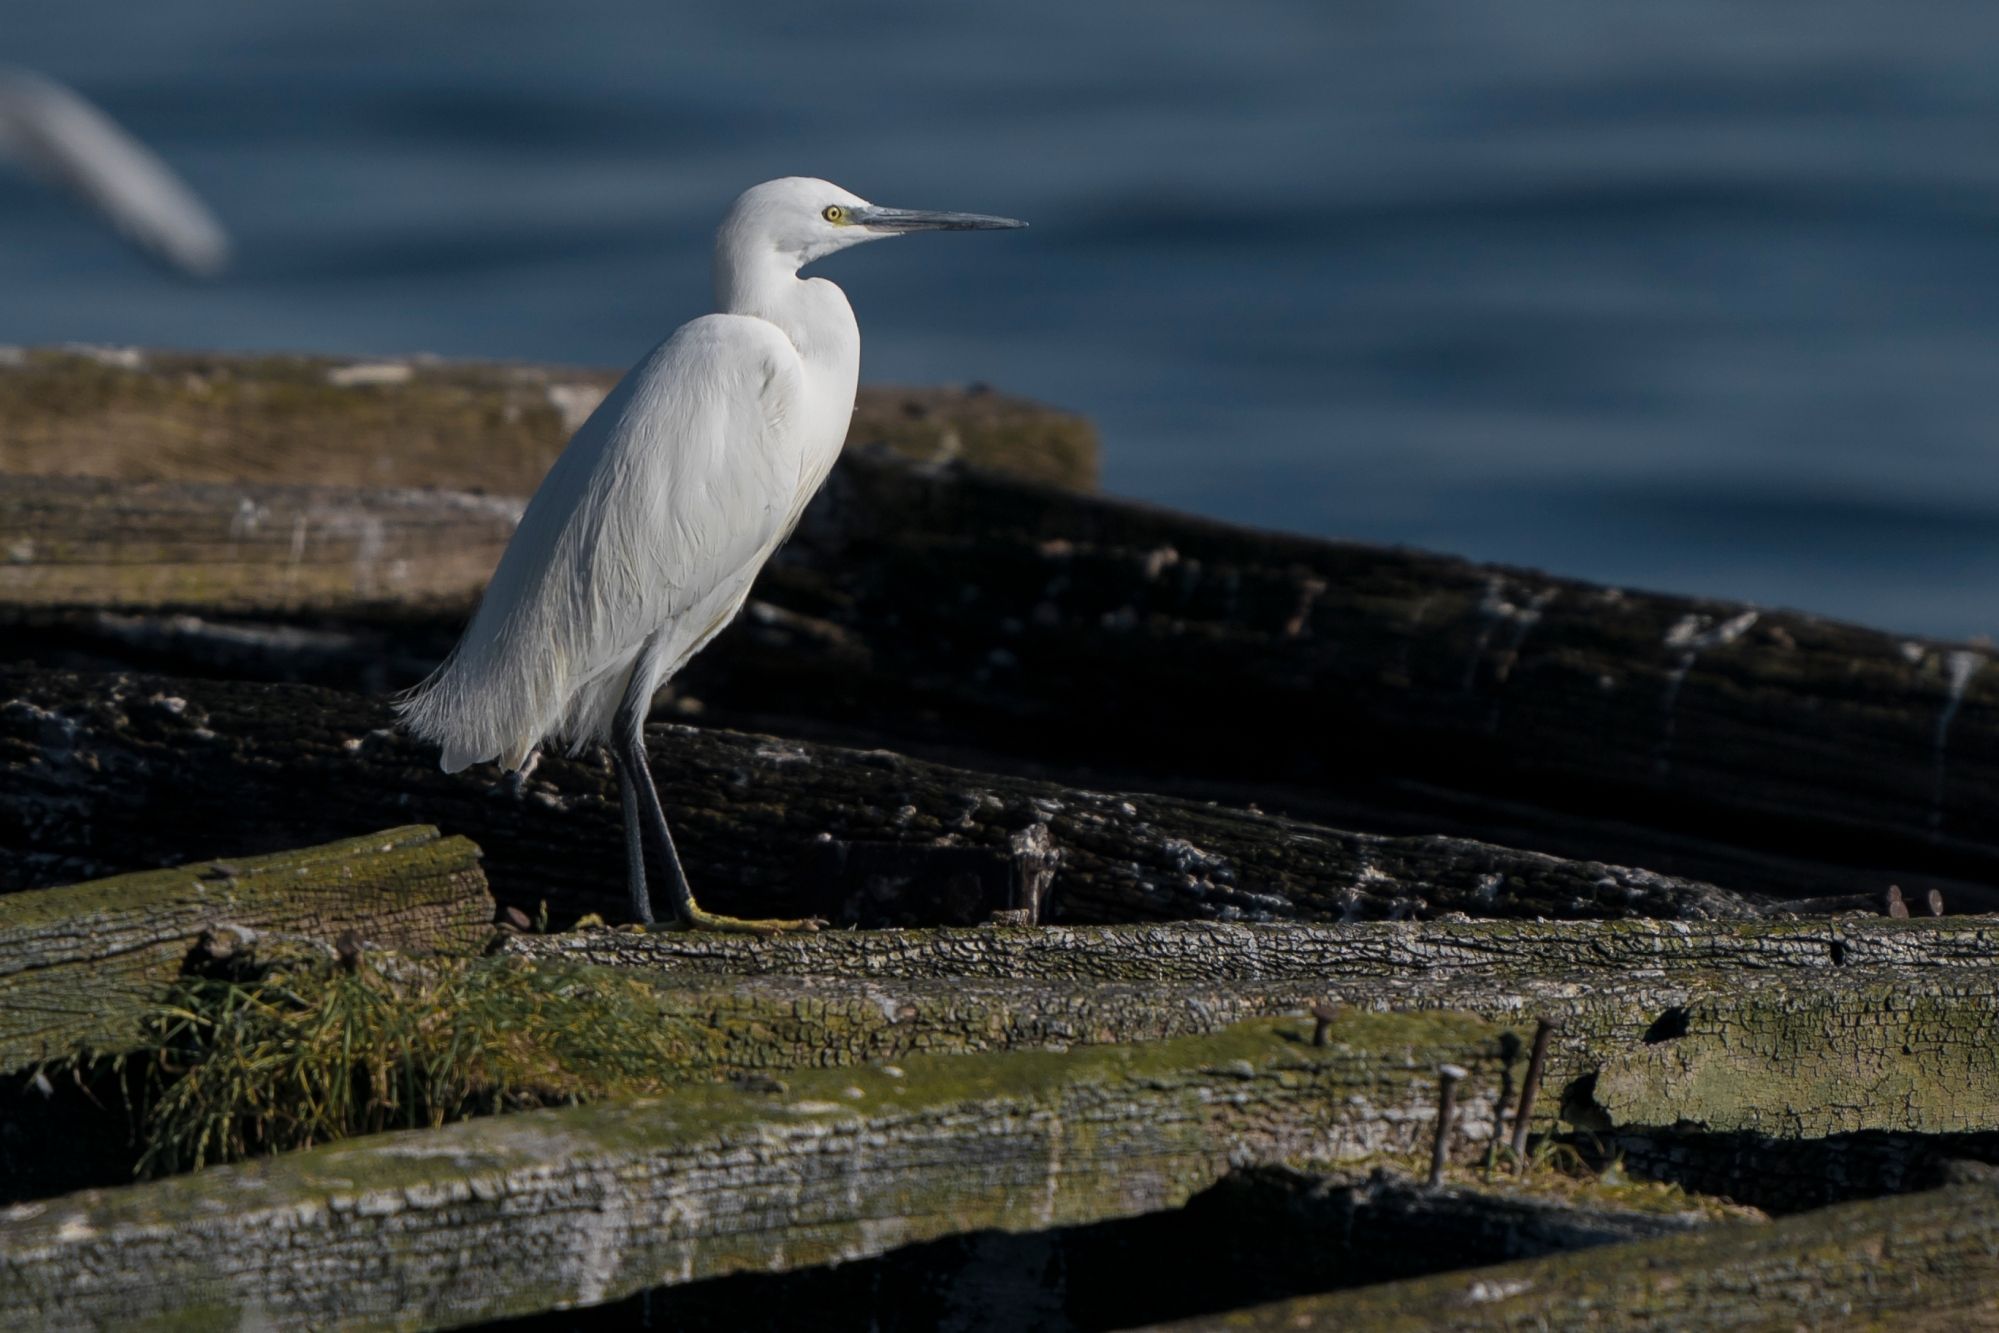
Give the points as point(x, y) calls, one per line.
point(802, 219)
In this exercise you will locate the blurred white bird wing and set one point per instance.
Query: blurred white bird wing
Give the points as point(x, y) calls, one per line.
point(57, 134)
point(653, 522)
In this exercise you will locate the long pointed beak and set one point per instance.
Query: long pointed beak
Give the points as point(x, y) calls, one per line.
point(921, 219)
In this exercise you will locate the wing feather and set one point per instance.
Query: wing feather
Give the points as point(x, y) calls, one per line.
point(653, 522)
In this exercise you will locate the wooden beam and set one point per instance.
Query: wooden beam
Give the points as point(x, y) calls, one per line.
point(417, 421)
point(80, 964)
point(1258, 1235)
point(521, 1213)
point(1327, 955)
point(965, 614)
point(1694, 1030)
point(1926, 1260)
point(158, 769)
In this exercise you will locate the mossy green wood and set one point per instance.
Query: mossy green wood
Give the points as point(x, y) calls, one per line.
point(1913, 1054)
point(79, 965)
point(1920, 1261)
point(473, 1034)
point(514, 1214)
point(1803, 1052)
point(186, 416)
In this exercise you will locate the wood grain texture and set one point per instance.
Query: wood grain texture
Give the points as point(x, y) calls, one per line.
point(232, 550)
point(1664, 1034)
point(957, 612)
point(1504, 951)
point(79, 964)
point(528, 1212)
point(463, 425)
point(151, 769)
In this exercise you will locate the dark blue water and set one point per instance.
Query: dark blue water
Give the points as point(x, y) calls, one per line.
point(1704, 298)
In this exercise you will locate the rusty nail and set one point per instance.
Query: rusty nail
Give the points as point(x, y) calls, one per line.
point(1323, 1015)
point(1448, 1078)
point(1530, 1086)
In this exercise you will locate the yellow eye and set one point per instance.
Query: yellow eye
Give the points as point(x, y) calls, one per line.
point(834, 213)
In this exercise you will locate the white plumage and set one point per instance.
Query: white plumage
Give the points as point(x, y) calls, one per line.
point(642, 542)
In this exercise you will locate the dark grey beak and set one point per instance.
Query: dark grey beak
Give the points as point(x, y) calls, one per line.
point(922, 219)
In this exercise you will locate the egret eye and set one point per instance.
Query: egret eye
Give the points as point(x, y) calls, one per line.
point(834, 213)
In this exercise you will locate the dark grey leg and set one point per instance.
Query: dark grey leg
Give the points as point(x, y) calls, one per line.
point(642, 808)
point(635, 847)
point(653, 818)
point(641, 799)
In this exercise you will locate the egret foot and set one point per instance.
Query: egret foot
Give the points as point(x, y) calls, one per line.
point(643, 819)
point(700, 918)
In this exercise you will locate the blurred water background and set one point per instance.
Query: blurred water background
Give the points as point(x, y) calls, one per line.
point(1700, 297)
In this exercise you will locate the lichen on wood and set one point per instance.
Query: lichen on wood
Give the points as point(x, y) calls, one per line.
point(1681, 1036)
point(415, 1229)
point(1908, 1054)
point(420, 421)
point(79, 965)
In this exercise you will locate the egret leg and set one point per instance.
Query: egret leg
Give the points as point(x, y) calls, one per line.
point(635, 847)
point(636, 779)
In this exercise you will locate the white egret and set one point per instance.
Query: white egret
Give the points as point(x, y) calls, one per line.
point(644, 538)
point(55, 133)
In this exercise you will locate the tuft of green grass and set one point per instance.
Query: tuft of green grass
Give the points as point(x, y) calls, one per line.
point(235, 1068)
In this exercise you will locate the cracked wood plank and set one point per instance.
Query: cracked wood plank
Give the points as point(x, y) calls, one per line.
point(1696, 1040)
point(155, 768)
point(1507, 951)
point(79, 964)
point(423, 1229)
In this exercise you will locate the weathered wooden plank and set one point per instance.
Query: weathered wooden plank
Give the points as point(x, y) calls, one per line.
point(1391, 689)
point(79, 965)
point(965, 613)
point(1812, 1052)
point(1326, 955)
point(1401, 685)
point(514, 1214)
point(1698, 1041)
point(1922, 1261)
point(152, 767)
point(206, 416)
point(231, 550)
point(1258, 1235)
